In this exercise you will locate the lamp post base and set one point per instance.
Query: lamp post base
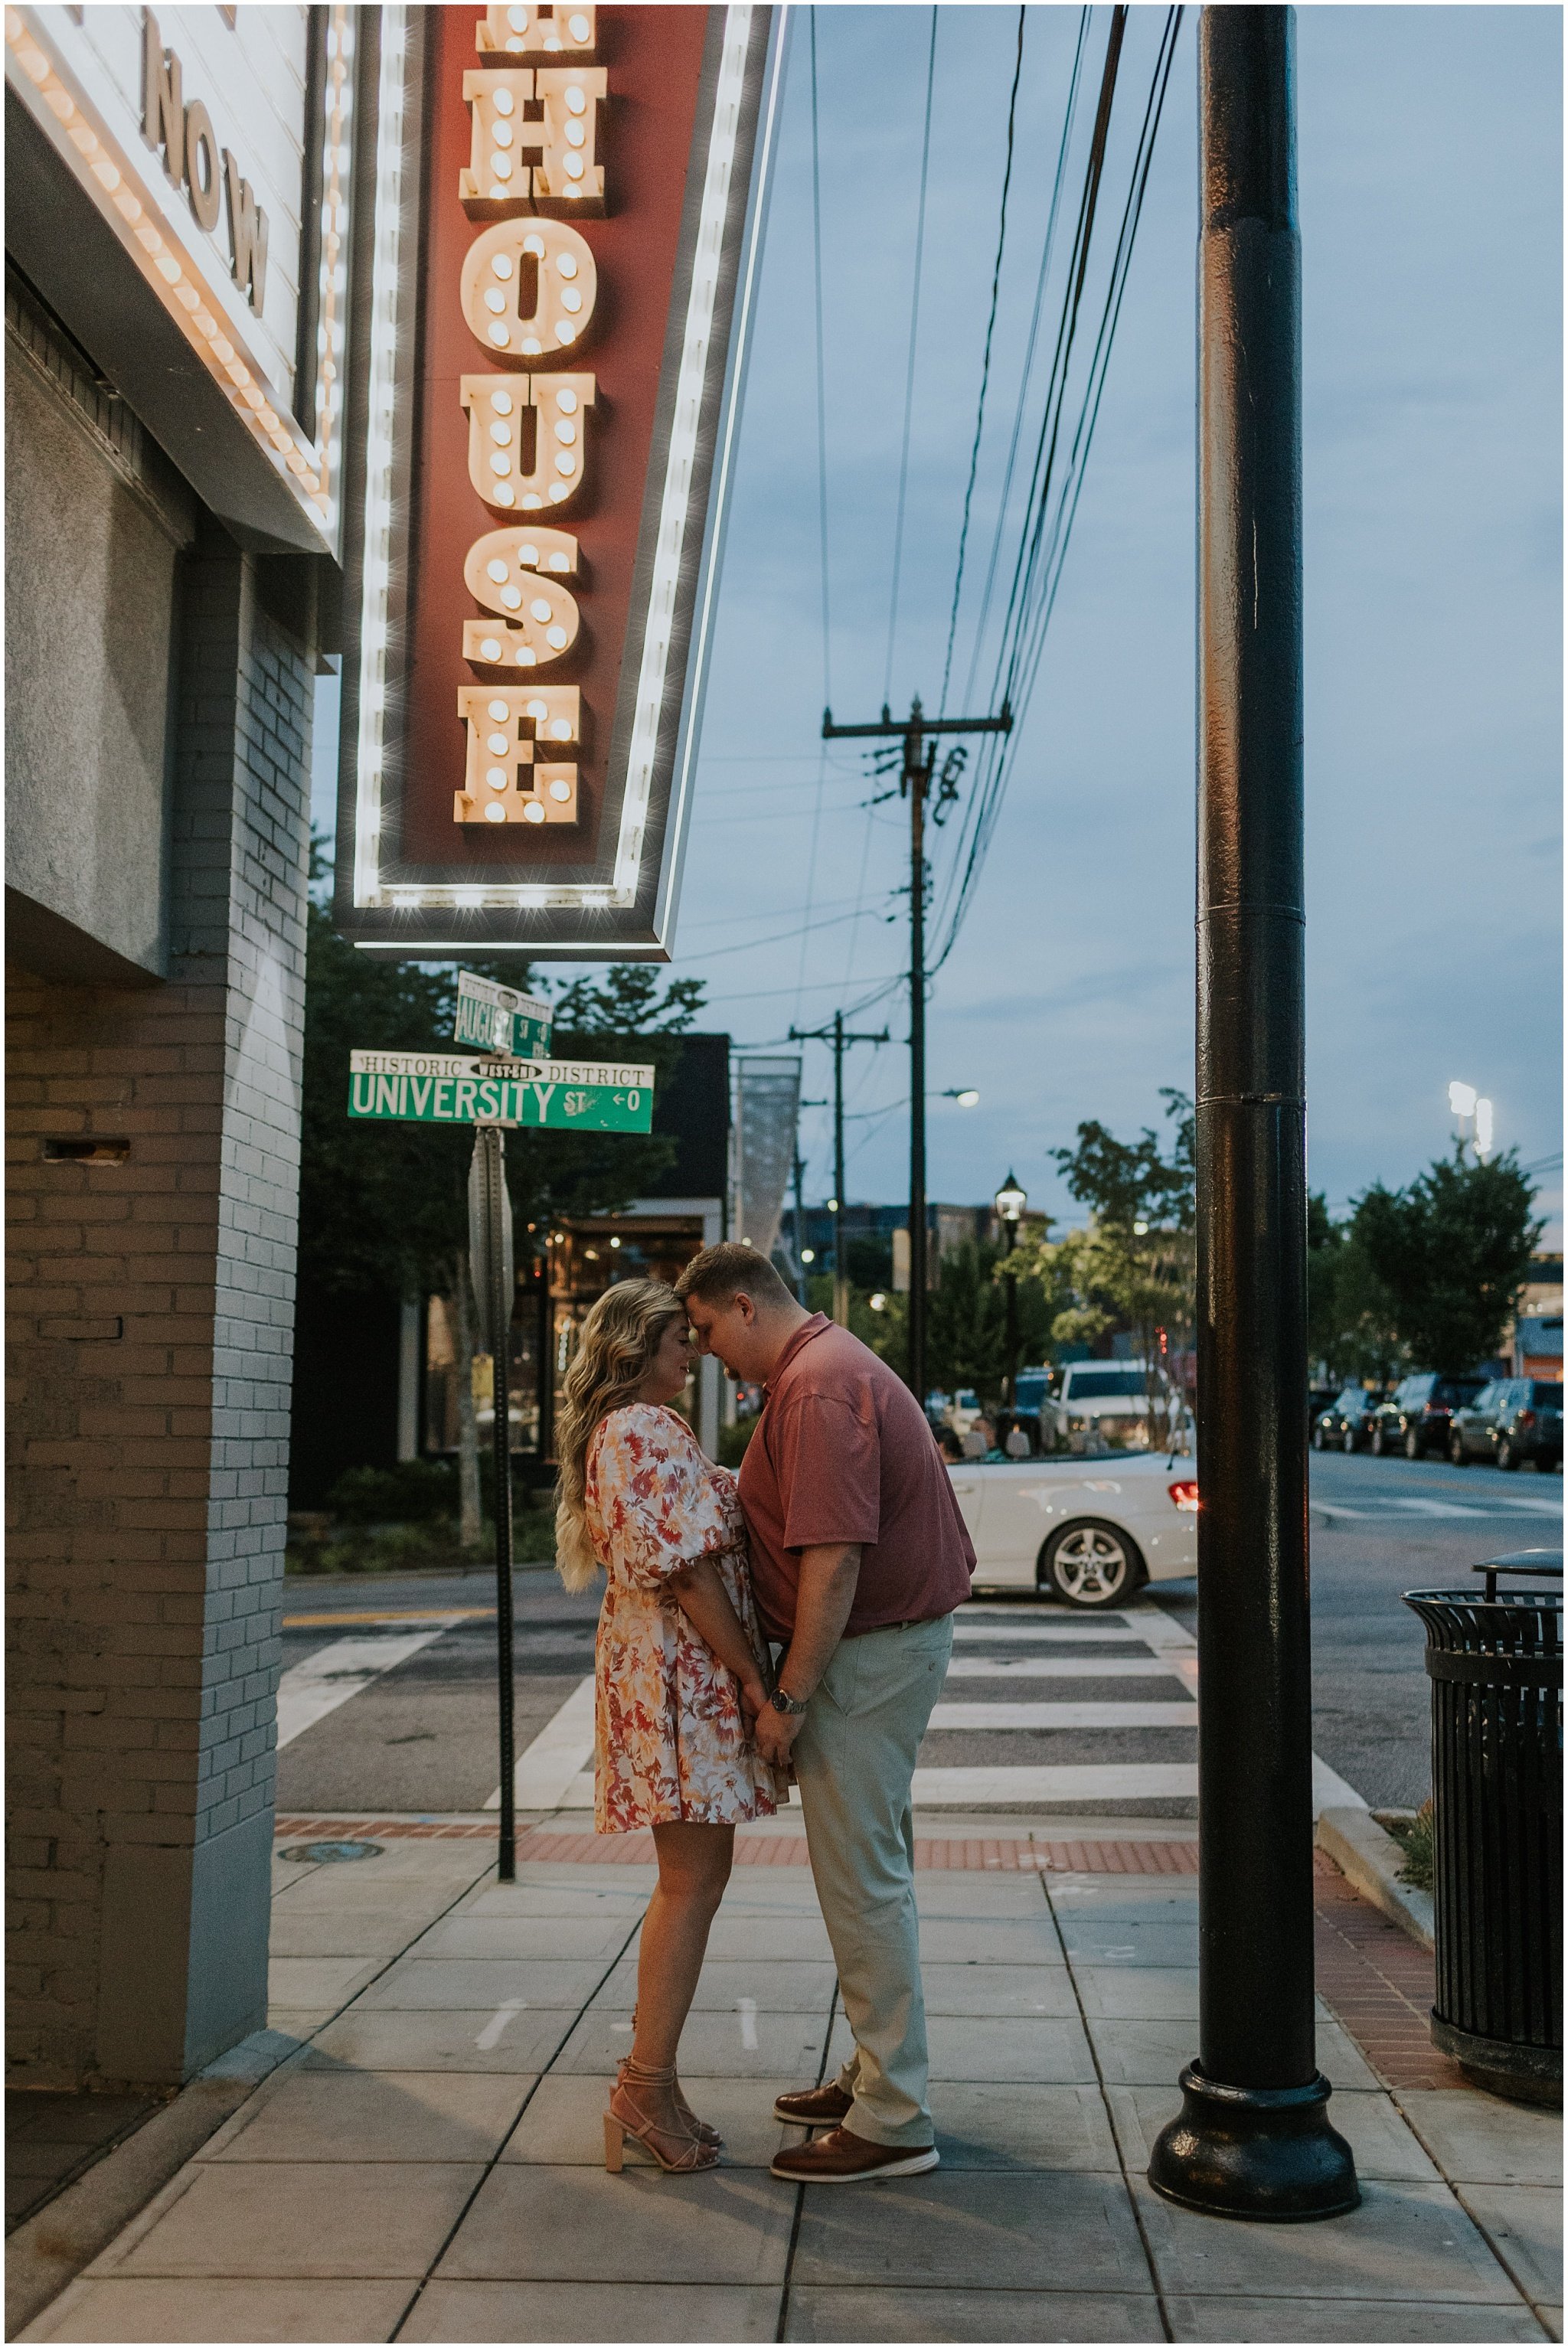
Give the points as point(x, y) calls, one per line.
point(1254, 2152)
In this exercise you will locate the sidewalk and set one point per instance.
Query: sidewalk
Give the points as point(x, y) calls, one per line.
point(426, 2164)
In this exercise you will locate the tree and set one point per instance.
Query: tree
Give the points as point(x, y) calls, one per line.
point(1350, 1325)
point(1452, 1253)
point(1132, 1266)
point(387, 1205)
point(967, 1318)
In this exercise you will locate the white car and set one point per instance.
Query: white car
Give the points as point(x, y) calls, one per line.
point(1107, 1406)
point(1090, 1530)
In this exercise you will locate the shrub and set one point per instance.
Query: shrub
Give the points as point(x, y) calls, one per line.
point(415, 1492)
point(733, 1440)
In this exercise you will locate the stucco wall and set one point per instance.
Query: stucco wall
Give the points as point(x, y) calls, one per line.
point(93, 529)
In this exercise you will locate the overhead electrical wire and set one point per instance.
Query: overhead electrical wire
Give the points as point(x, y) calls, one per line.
point(1047, 253)
point(1043, 550)
point(984, 364)
point(909, 373)
point(821, 503)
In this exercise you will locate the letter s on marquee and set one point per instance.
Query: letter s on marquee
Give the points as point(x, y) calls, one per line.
point(500, 570)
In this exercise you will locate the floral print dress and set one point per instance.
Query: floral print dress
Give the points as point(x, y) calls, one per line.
point(671, 1740)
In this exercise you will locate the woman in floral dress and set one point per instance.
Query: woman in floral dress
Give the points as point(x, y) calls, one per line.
point(681, 1672)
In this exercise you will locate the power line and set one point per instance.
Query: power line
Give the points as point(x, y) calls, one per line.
point(908, 376)
point(1047, 251)
point(1021, 660)
point(985, 364)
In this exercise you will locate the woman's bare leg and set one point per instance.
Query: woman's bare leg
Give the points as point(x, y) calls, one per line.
point(694, 1868)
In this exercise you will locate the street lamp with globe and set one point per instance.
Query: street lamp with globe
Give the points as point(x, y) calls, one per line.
point(1011, 1200)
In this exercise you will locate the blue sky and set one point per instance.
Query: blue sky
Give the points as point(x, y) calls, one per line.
point(1429, 171)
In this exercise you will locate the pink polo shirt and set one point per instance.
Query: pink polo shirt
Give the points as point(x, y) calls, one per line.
point(844, 1452)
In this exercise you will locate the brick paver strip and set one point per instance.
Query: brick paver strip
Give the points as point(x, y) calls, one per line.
point(573, 1847)
point(1379, 1982)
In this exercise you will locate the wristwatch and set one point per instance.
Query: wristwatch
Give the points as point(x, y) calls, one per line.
point(785, 1704)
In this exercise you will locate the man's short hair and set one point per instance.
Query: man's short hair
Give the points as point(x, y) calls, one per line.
point(719, 1274)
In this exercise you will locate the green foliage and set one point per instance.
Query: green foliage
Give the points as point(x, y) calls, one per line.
point(733, 1440)
point(416, 1491)
point(1128, 1182)
point(1350, 1324)
point(966, 1319)
point(1451, 1252)
point(421, 1548)
point(1132, 1267)
point(1415, 1839)
point(386, 1206)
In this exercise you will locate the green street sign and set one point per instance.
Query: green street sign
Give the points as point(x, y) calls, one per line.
point(562, 1096)
point(500, 1019)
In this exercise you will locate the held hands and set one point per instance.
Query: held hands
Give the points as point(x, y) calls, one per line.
point(776, 1733)
point(753, 1696)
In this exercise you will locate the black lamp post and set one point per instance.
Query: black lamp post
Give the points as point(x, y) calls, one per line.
point(1011, 1201)
point(1253, 2138)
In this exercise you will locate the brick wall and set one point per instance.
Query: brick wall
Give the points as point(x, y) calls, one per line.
point(151, 1303)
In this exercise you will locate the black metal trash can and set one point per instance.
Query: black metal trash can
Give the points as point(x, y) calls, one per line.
point(1496, 1667)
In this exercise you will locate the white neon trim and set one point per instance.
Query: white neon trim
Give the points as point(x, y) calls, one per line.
point(676, 505)
point(379, 463)
point(675, 509)
point(718, 489)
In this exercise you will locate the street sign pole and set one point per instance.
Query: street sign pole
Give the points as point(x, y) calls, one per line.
point(1253, 2138)
point(494, 1278)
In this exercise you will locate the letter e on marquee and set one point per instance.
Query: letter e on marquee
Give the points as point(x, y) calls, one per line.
point(560, 259)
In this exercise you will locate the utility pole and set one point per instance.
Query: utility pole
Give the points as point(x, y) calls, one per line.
point(840, 1038)
point(800, 1221)
point(1253, 2140)
point(915, 784)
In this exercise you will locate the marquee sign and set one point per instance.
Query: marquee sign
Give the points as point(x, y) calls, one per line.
point(562, 266)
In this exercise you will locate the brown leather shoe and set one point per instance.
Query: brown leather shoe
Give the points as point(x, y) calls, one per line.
point(841, 2158)
point(822, 2106)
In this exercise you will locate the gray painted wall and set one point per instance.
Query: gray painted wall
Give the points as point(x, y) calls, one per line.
point(92, 551)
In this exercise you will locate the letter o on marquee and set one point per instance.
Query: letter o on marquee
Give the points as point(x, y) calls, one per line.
point(547, 264)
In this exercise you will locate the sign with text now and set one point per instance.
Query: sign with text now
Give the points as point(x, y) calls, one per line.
point(563, 1096)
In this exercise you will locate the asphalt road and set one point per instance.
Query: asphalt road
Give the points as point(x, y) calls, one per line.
point(1376, 1533)
point(420, 1736)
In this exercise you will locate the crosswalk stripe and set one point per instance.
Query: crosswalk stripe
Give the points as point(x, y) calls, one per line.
point(546, 1767)
point(1069, 1634)
point(1066, 1781)
point(307, 1691)
point(1062, 1667)
point(1065, 1715)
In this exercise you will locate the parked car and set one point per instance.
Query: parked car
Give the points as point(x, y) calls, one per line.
point(1090, 1532)
point(1113, 1407)
point(959, 1411)
point(1417, 1417)
point(1349, 1421)
point(1511, 1420)
point(1318, 1399)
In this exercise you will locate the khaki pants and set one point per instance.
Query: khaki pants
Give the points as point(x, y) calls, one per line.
point(854, 1758)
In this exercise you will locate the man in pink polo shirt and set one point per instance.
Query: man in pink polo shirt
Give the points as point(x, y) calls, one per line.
point(859, 1557)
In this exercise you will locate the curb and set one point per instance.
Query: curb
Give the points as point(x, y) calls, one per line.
point(1371, 1859)
point(50, 2248)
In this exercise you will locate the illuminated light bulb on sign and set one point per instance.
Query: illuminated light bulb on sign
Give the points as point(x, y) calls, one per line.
point(497, 471)
point(493, 303)
point(536, 31)
point(516, 787)
point(500, 570)
point(489, 185)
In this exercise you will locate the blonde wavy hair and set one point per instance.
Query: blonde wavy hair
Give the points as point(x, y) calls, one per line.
point(616, 1347)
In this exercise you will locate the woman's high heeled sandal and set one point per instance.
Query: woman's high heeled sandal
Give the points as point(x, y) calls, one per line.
point(702, 2131)
point(644, 2130)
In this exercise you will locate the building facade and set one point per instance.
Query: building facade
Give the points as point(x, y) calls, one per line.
point(176, 287)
